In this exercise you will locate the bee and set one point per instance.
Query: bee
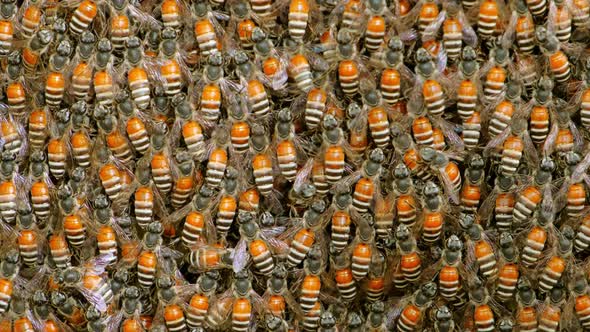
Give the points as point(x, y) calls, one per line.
point(516, 148)
point(299, 70)
point(410, 264)
point(432, 91)
point(9, 268)
point(509, 272)
point(205, 30)
point(37, 46)
point(345, 281)
point(287, 145)
point(376, 278)
point(559, 63)
point(580, 13)
point(55, 82)
point(299, 15)
point(174, 69)
point(190, 132)
point(137, 77)
point(579, 291)
point(414, 307)
point(228, 205)
point(480, 247)
point(444, 319)
point(406, 203)
point(304, 236)
point(6, 26)
point(243, 24)
point(311, 285)
point(472, 187)
point(581, 242)
point(526, 314)
point(451, 269)
point(206, 258)
point(103, 74)
point(433, 216)
point(467, 93)
point(455, 30)
point(199, 303)
point(254, 243)
point(15, 91)
point(495, 72)
point(502, 114)
point(445, 169)
point(427, 15)
point(525, 29)
point(271, 64)
point(245, 299)
point(82, 72)
point(376, 318)
point(483, 309)
point(558, 261)
point(561, 21)
point(277, 294)
point(341, 219)
point(184, 185)
point(530, 197)
point(69, 308)
point(88, 281)
point(348, 68)
point(487, 19)
point(378, 17)
point(83, 16)
point(212, 89)
point(362, 250)
point(550, 315)
point(328, 322)
point(396, 76)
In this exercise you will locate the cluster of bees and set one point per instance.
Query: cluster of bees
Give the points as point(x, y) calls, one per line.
point(294, 165)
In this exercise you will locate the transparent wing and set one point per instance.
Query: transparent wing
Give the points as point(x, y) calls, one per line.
point(240, 256)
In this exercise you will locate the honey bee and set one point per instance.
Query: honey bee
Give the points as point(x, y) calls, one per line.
point(411, 312)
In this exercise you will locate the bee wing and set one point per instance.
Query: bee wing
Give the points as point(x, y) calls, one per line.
point(549, 143)
point(469, 35)
point(396, 305)
point(508, 37)
point(114, 321)
point(448, 130)
point(181, 213)
point(497, 141)
point(98, 264)
point(152, 67)
point(449, 186)
point(580, 170)
point(551, 15)
point(292, 303)
point(37, 324)
point(432, 29)
point(470, 261)
point(240, 256)
point(273, 232)
point(410, 19)
point(547, 203)
point(142, 17)
point(578, 139)
point(488, 205)
point(431, 271)
point(303, 174)
point(530, 152)
point(441, 63)
point(279, 247)
point(94, 299)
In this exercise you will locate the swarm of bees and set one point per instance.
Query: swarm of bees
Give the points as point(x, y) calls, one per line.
point(294, 165)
